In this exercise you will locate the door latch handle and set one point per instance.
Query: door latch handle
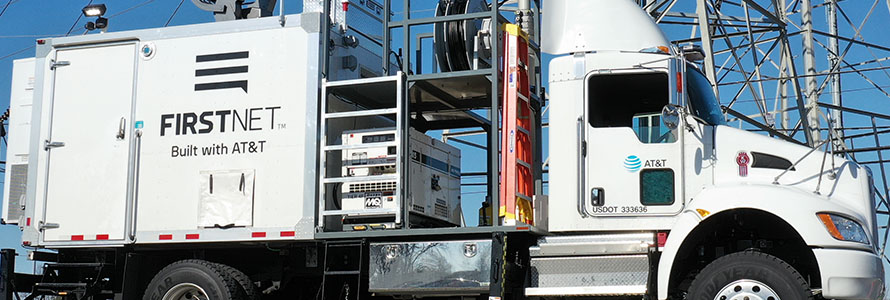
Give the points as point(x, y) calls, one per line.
point(122, 129)
point(50, 145)
point(55, 64)
point(44, 226)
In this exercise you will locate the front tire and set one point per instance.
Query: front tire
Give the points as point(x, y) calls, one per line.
point(750, 275)
point(192, 279)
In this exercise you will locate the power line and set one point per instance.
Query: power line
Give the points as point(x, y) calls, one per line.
point(28, 36)
point(17, 52)
point(5, 7)
point(174, 13)
point(131, 8)
point(77, 20)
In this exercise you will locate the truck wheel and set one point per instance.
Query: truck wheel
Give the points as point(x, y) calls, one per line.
point(193, 279)
point(749, 275)
point(247, 287)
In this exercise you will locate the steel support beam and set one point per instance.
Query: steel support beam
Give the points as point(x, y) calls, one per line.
point(834, 62)
point(766, 13)
point(707, 44)
point(809, 63)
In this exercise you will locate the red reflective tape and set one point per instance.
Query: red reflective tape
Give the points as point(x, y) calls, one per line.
point(522, 228)
point(192, 236)
point(77, 237)
point(165, 237)
point(101, 236)
point(288, 233)
point(258, 234)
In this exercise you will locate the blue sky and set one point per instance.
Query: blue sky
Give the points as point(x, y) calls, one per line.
point(23, 21)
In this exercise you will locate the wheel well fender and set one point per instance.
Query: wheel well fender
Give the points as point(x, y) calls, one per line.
point(695, 241)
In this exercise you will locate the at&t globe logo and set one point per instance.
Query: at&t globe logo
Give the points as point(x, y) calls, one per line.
point(633, 163)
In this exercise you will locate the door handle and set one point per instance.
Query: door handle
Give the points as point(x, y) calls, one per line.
point(122, 129)
point(44, 226)
point(582, 205)
point(50, 145)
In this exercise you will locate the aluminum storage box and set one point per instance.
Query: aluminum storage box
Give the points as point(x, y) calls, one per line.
point(433, 268)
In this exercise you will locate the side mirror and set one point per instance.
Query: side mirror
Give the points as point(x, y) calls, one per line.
point(692, 52)
point(670, 116)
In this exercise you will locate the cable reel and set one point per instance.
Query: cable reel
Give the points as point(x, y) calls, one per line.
point(455, 42)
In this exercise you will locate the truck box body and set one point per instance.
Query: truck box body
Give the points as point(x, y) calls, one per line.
point(204, 133)
point(16, 176)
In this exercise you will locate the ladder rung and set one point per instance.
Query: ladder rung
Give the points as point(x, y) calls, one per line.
point(359, 146)
point(342, 272)
point(522, 97)
point(61, 285)
point(360, 178)
point(74, 265)
point(361, 113)
point(524, 164)
point(524, 197)
point(350, 243)
point(360, 212)
point(523, 130)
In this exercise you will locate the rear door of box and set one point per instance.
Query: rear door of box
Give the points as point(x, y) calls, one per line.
point(89, 143)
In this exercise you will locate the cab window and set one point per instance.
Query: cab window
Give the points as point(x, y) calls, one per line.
point(701, 97)
point(630, 100)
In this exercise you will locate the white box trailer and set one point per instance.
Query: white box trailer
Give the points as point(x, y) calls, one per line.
point(168, 135)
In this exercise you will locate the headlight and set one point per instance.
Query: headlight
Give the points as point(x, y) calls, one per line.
point(843, 229)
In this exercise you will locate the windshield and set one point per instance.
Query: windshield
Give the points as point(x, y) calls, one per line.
point(701, 97)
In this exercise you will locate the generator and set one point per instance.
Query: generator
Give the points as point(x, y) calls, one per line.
point(433, 180)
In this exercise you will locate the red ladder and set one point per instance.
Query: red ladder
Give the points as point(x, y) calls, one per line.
point(517, 181)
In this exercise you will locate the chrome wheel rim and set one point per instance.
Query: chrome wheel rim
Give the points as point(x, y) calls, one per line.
point(185, 291)
point(746, 289)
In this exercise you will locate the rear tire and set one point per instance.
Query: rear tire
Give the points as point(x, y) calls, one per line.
point(193, 279)
point(248, 289)
point(749, 275)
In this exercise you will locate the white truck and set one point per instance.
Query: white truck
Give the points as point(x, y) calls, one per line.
point(286, 157)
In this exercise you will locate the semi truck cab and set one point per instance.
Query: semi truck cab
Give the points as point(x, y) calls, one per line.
point(644, 146)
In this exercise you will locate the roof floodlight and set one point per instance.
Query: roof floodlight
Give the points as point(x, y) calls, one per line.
point(95, 10)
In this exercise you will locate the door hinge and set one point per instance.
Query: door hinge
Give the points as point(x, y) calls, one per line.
point(55, 64)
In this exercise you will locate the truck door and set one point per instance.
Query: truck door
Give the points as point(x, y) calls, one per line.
point(89, 143)
point(634, 162)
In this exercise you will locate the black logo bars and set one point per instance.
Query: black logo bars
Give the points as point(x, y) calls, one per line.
point(221, 71)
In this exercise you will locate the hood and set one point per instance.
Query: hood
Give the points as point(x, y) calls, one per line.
point(838, 180)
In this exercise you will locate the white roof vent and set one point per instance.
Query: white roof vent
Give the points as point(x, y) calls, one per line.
point(598, 25)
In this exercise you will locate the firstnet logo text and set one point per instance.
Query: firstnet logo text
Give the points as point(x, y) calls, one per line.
point(249, 119)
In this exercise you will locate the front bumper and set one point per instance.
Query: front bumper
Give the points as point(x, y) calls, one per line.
point(850, 274)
